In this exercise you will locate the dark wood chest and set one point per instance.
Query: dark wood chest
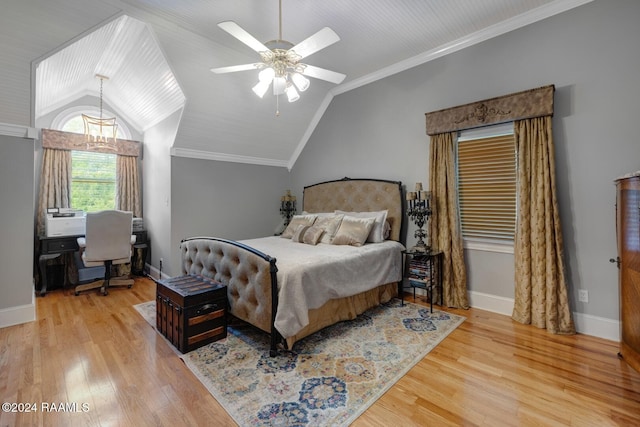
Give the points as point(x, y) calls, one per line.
point(191, 311)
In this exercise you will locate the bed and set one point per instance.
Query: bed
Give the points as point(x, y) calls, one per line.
point(290, 289)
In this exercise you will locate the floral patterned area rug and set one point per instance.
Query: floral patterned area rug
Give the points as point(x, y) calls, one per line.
point(328, 378)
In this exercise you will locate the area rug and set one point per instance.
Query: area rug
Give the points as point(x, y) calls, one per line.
point(328, 378)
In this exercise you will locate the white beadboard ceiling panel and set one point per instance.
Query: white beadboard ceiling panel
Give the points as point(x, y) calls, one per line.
point(140, 82)
point(158, 56)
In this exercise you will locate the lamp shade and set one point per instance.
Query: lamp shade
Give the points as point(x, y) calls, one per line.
point(266, 75)
point(292, 93)
point(279, 85)
point(261, 88)
point(301, 82)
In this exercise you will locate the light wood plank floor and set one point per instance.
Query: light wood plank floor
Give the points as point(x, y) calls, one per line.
point(97, 351)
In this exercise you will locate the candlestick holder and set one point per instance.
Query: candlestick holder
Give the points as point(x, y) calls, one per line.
point(287, 207)
point(419, 210)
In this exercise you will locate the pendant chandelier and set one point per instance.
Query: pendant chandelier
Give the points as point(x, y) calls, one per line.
point(100, 132)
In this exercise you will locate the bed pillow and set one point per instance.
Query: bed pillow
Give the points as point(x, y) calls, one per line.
point(309, 234)
point(353, 231)
point(296, 221)
point(330, 225)
point(377, 233)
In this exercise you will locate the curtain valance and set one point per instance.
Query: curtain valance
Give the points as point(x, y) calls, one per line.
point(516, 106)
point(75, 141)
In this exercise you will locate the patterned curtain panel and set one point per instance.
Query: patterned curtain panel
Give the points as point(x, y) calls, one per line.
point(541, 296)
point(128, 185)
point(445, 226)
point(55, 183)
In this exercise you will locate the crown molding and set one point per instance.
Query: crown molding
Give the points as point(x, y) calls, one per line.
point(19, 131)
point(223, 157)
point(496, 30)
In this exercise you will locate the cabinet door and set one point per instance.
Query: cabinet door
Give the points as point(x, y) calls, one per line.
point(628, 223)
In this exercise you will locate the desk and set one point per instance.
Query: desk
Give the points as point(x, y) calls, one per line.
point(53, 247)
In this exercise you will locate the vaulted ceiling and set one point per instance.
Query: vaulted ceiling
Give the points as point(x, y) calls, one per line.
point(159, 62)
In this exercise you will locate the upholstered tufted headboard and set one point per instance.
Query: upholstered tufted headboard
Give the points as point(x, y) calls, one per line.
point(358, 195)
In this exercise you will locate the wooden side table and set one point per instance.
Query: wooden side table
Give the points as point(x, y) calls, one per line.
point(423, 271)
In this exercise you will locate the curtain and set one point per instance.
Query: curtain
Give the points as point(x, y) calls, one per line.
point(55, 183)
point(541, 296)
point(55, 191)
point(128, 185)
point(445, 229)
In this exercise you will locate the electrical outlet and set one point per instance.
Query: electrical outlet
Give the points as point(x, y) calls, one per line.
point(583, 295)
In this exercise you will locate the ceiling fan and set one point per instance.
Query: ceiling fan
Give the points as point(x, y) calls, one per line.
point(281, 60)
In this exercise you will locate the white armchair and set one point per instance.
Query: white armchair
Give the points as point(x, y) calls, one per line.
point(108, 241)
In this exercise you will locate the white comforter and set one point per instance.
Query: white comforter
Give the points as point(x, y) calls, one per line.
point(309, 276)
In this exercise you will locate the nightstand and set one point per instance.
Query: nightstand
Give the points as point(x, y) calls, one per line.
point(423, 271)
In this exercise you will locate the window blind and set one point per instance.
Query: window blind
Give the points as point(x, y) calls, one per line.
point(487, 187)
point(93, 181)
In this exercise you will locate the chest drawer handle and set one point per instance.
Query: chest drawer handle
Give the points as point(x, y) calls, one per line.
point(206, 308)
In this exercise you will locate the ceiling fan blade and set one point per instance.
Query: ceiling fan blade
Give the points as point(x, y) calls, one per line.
point(323, 38)
point(234, 68)
point(323, 74)
point(238, 32)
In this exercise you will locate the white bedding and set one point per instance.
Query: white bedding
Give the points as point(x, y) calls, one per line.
point(309, 276)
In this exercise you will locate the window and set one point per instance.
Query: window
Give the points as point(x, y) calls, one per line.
point(93, 175)
point(93, 181)
point(487, 184)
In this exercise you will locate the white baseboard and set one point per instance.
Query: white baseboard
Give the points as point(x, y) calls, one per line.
point(155, 273)
point(600, 327)
point(16, 315)
point(587, 324)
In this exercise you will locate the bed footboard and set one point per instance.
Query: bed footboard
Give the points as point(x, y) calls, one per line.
point(250, 277)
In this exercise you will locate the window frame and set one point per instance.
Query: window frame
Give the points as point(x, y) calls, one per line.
point(477, 243)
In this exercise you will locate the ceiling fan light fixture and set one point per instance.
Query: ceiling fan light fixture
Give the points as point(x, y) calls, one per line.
point(281, 60)
point(301, 82)
point(279, 85)
point(261, 88)
point(266, 75)
point(292, 93)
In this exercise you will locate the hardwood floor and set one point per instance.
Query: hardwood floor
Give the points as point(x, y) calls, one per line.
point(98, 353)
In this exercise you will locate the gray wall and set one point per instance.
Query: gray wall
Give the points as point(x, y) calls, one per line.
point(590, 53)
point(156, 182)
point(16, 221)
point(228, 200)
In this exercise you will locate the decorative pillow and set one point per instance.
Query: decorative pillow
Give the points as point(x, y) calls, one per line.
point(386, 230)
point(329, 224)
point(353, 231)
point(377, 233)
point(309, 234)
point(312, 235)
point(296, 221)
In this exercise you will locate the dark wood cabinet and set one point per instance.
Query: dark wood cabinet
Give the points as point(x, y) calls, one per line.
point(628, 231)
